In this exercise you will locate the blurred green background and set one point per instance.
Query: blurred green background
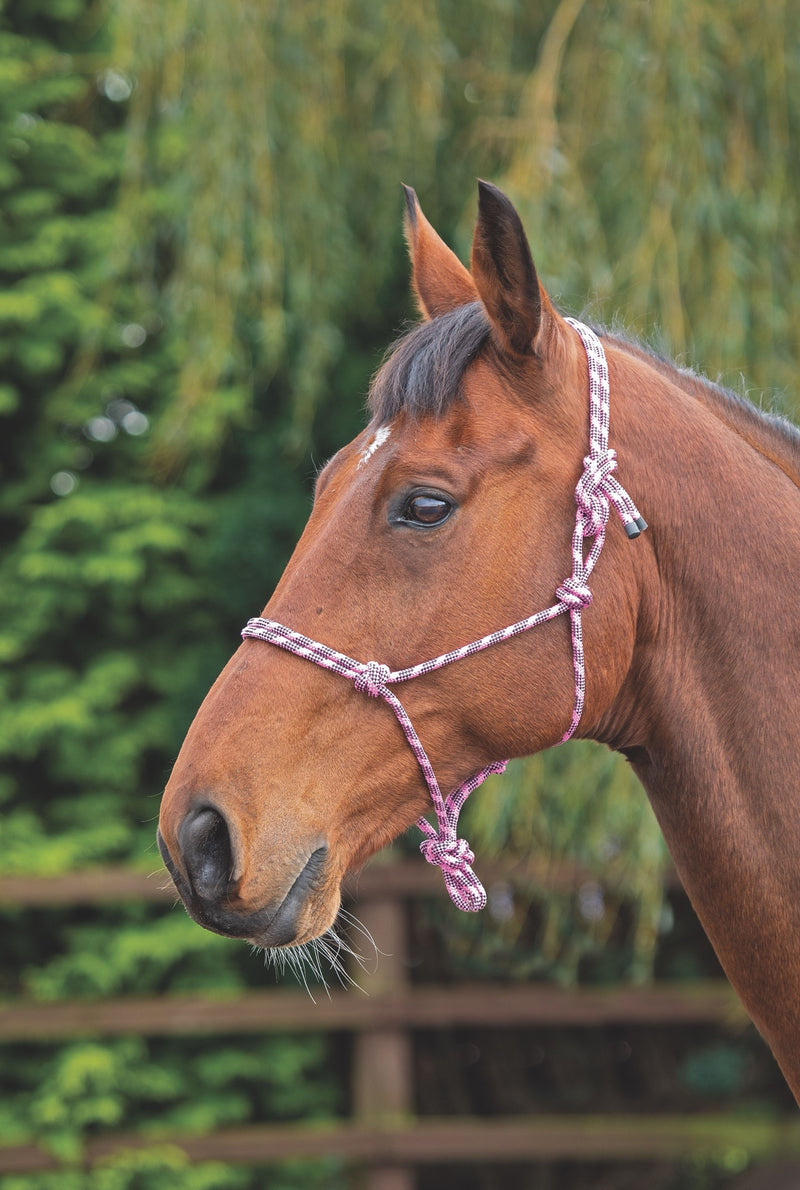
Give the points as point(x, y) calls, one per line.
point(201, 262)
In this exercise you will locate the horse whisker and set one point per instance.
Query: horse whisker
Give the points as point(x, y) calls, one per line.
point(354, 924)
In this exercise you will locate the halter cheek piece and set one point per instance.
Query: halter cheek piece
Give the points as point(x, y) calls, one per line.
point(596, 491)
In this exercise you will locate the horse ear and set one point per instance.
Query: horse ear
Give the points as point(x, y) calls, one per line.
point(440, 280)
point(504, 274)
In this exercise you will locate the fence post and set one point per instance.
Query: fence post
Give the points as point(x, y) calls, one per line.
point(383, 1086)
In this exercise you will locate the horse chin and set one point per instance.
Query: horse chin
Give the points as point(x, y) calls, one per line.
point(315, 919)
point(304, 911)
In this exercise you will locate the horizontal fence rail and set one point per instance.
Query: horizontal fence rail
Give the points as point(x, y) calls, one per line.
point(417, 1007)
point(393, 878)
point(457, 1140)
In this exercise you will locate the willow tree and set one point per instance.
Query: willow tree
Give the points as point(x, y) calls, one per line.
point(655, 161)
point(648, 146)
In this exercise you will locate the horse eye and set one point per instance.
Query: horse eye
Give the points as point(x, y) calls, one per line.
point(426, 510)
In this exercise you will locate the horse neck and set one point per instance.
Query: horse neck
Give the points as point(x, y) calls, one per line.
point(711, 692)
point(723, 500)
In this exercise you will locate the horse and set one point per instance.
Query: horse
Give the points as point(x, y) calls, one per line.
point(437, 539)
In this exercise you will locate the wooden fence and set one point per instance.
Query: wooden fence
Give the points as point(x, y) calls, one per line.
point(383, 1135)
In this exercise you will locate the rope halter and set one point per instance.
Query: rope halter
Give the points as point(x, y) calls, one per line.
point(597, 490)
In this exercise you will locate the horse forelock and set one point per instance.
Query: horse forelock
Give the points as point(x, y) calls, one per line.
point(422, 371)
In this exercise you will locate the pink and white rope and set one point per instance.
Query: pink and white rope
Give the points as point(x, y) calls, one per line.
point(596, 491)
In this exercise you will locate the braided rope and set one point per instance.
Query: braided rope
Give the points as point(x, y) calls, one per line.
point(596, 491)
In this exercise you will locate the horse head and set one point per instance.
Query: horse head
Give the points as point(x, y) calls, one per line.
point(450, 516)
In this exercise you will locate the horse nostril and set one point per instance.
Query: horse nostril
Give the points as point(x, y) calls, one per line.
point(206, 849)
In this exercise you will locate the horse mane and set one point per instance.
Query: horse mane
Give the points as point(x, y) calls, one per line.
point(772, 435)
point(422, 370)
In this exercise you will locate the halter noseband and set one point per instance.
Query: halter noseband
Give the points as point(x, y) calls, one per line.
point(596, 491)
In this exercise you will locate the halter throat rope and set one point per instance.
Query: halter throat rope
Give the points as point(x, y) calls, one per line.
point(597, 490)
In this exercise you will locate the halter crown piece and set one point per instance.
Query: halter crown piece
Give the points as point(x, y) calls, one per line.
point(596, 491)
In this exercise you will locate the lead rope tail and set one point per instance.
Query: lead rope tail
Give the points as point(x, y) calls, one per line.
point(442, 845)
point(453, 855)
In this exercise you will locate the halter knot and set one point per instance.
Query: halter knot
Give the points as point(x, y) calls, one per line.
point(451, 855)
point(575, 594)
point(592, 493)
point(372, 679)
point(455, 857)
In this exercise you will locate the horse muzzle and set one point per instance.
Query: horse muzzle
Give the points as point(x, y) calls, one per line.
point(212, 896)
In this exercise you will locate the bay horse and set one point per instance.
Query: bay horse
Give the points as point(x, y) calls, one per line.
point(467, 501)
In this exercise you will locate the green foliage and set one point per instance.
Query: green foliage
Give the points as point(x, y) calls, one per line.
point(164, 1167)
point(95, 558)
point(655, 173)
point(147, 956)
point(159, 1088)
point(159, 1167)
point(108, 632)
